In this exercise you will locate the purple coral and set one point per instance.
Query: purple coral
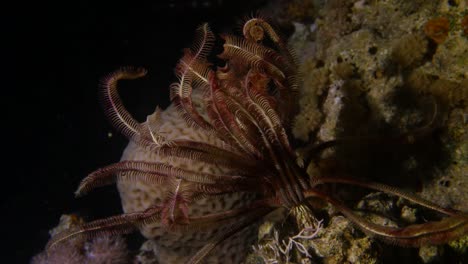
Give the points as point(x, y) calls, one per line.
point(103, 249)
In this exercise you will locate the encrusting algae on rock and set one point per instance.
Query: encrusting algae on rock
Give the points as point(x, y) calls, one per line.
point(381, 55)
point(380, 101)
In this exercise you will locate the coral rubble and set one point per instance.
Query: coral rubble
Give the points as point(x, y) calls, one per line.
point(383, 68)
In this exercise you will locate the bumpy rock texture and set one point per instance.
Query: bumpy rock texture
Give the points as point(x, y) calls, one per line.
point(379, 69)
point(371, 70)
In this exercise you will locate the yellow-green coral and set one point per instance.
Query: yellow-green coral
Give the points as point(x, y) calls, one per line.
point(460, 245)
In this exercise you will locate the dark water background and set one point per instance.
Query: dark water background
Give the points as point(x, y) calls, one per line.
point(55, 130)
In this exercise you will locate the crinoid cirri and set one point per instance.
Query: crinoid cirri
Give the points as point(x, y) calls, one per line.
point(221, 158)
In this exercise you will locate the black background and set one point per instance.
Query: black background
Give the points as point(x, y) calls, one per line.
point(54, 129)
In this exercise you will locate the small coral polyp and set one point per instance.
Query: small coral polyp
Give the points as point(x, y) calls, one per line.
point(201, 174)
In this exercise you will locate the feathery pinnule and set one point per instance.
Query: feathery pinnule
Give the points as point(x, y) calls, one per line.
point(202, 173)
